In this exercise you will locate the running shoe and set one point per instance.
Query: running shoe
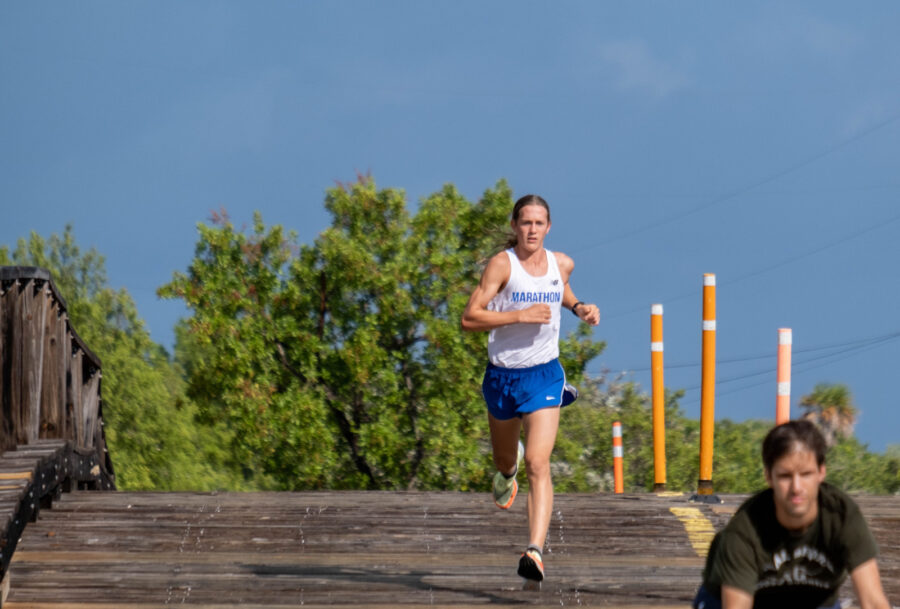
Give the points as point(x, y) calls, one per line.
point(504, 488)
point(570, 394)
point(531, 565)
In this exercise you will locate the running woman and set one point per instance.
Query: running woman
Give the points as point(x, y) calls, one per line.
point(518, 301)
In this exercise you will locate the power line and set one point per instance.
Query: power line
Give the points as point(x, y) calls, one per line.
point(803, 366)
point(842, 347)
point(849, 346)
point(817, 250)
point(724, 198)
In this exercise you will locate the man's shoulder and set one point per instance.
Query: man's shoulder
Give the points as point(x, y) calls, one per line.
point(831, 497)
point(837, 508)
point(755, 514)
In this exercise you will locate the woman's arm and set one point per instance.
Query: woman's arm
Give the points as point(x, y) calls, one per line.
point(477, 317)
point(589, 313)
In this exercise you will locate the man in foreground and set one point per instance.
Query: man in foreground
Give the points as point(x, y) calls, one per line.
point(793, 544)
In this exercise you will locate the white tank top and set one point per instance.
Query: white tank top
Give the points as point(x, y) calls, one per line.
point(525, 345)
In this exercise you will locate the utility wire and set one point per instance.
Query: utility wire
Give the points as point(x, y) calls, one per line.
point(804, 366)
point(728, 196)
point(837, 348)
point(842, 347)
point(873, 227)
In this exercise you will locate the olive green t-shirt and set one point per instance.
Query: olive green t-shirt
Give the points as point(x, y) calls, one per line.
point(755, 553)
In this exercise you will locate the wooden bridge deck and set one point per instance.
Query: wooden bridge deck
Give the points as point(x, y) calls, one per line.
point(377, 549)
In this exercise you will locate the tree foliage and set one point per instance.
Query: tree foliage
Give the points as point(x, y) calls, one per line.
point(830, 406)
point(341, 364)
point(583, 458)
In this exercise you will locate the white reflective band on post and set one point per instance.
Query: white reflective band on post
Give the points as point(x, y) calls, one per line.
point(785, 337)
point(784, 388)
point(709, 280)
point(656, 346)
point(656, 309)
point(617, 451)
point(709, 324)
point(617, 431)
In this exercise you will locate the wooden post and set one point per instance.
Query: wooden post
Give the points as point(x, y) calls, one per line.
point(75, 395)
point(50, 378)
point(707, 393)
point(90, 409)
point(33, 328)
point(18, 366)
point(783, 393)
point(659, 399)
point(618, 474)
point(4, 588)
point(4, 366)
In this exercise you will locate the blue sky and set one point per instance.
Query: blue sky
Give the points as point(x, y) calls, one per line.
point(758, 142)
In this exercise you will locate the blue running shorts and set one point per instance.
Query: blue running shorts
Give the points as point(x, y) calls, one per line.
point(512, 392)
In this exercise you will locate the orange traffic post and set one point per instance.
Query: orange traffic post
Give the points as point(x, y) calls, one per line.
point(707, 393)
point(783, 393)
point(659, 398)
point(617, 458)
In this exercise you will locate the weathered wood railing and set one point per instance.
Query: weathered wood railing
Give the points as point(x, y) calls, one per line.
point(51, 430)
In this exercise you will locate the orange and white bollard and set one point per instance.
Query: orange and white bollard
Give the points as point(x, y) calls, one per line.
point(707, 392)
point(783, 393)
point(658, 397)
point(618, 475)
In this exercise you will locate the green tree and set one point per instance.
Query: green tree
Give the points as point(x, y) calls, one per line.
point(341, 364)
point(831, 408)
point(737, 458)
point(150, 427)
point(852, 467)
point(583, 457)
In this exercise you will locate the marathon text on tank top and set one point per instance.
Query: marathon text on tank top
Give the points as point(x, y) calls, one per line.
point(525, 345)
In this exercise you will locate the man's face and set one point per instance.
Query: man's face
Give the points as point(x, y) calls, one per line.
point(531, 227)
point(795, 480)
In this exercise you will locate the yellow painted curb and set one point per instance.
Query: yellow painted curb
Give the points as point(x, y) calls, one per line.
point(699, 529)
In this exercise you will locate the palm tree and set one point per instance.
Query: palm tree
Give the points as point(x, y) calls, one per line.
point(831, 408)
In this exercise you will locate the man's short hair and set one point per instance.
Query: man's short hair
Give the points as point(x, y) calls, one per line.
point(783, 438)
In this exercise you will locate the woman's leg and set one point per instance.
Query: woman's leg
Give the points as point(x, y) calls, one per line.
point(540, 436)
point(505, 443)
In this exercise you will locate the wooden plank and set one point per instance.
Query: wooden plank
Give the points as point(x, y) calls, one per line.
point(90, 410)
point(35, 328)
point(15, 342)
point(365, 549)
point(5, 376)
point(68, 398)
point(52, 411)
point(60, 352)
point(73, 396)
point(304, 605)
point(28, 475)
